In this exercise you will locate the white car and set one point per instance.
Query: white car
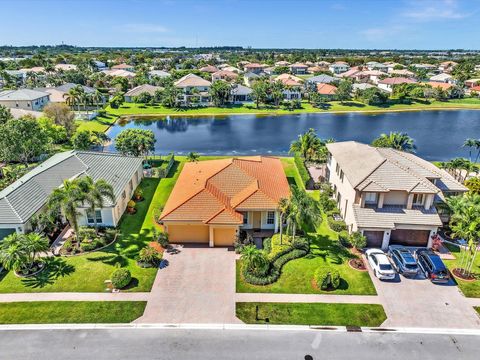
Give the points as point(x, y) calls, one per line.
point(381, 266)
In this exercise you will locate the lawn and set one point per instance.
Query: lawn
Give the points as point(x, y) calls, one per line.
point(323, 314)
point(100, 123)
point(61, 312)
point(291, 172)
point(469, 289)
point(297, 274)
point(334, 106)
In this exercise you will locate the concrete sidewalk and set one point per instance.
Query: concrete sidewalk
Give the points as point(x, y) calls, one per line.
point(308, 298)
point(69, 296)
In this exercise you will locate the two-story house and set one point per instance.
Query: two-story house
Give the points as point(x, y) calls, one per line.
point(386, 194)
point(195, 90)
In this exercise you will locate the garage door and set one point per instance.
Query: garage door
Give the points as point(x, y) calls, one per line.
point(374, 238)
point(224, 236)
point(410, 237)
point(5, 232)
point(188, 233)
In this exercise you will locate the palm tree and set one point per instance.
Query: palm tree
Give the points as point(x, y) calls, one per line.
point(470, 143)
point(307, 145)
point(193, 156)
point(72, 98)
point(66, 200)
point(97, 98)
point(12, 254)
point(283, 207)
point(304, 210)
point(95, 192)
point(34, 244)
point(254, 260)
point(395, 140)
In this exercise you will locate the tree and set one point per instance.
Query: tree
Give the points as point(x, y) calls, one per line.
point(472, 144)
point(116, 101)
point(56, 133)
point(170, 96)
point(358, 240)
point(22, 140)
point(260, 92)
point(143, 98)
point(5, 114)
point(82, 140)
point(276, 92)
point(344, 91)
point(307, 145)
point(18, 252)
point(473, 185)
point(94, 195)
point(61, 115)
point(255, 261)
point(303, 212)
point(193, 156)
point(220, 92)
point(372, 96)
point(283, 207)
point(395, 140)
point(135, 142)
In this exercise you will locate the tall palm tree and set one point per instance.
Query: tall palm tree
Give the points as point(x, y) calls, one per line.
point(470, 143)
point(72, 98)
point(94, 194)
point(304, 210)
point(307, 145)
point(283, 207)
point(12, 254)
point(193, 156)
point(396, 140)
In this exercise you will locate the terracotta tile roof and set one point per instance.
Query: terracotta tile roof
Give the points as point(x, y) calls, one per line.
point(213, 192)
point(289, 80)
point(192, 80)
point(209, 68)
point(443, 86)
point(326, 89)
point(396, 81)
point(122, 67)
point(475, 88)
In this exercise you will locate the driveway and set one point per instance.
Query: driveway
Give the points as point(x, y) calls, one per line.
point(420, 303)
point(197, 286)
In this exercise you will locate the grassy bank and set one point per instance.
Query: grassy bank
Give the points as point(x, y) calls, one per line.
point(73, 312)
point(311, 314)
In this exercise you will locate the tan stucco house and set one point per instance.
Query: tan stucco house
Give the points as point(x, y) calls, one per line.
point(386, 194)
point(213, 200)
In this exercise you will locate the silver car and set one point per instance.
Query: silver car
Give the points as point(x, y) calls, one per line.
point(403, 261)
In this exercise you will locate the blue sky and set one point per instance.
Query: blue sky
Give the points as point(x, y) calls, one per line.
point(386, 24)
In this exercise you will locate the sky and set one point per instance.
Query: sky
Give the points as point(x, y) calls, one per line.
point(346, 24)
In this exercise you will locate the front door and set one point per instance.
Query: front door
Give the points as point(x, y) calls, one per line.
point(257, 220)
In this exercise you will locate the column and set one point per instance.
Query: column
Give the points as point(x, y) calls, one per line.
point(381, 198)
point(386, 239)
point(211, 241)
point(410, 201)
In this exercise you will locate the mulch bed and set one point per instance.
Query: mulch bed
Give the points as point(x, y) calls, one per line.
point(36, 269)
point(457, 272)
point(357, 264)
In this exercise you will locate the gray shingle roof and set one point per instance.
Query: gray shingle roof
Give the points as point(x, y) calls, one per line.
point(241, 90)
point(23, 198)
point(323, 78)
point(151, 89)
point(22, 94)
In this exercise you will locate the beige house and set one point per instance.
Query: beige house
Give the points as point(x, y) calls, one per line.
point(195, 90)
point(25, 99)
point(386, 194)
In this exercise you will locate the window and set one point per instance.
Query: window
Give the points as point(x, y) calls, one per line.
point(370, 198)
point(130, 183)
point(418, 199)
point(271, 217)
point(337, 169)
point(341, 175)
point(98, 216)
point(245, 218)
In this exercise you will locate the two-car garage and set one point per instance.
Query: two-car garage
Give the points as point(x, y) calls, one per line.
point(406, 237)
point(201, 234)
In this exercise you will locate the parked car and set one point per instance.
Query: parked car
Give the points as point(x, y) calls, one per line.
point(403, 261)
point(381, 266)
point(432, 266)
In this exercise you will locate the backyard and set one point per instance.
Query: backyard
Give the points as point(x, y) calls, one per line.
point(469, 288)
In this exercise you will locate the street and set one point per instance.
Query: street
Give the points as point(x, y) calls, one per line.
point(203, 344)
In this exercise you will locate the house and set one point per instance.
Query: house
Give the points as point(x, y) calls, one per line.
point(249, 78)
point(386, 194)
point(224, 75)
point(124, 66)
point(195, 90)
point(209, 69)
point(240, 94)
point(298, 68)
point(282, 63)
point(362, 86)
point(402, 73)
point(18, 77)
point(475, 88)
point(368, 75)
point(145, 88)
point(472, 82)
point(388, 83)
point(119, 73)
point(27, 196)
point(323, 78)
point(227, 67)
point(447, 66)
point(25, 99)
point(254, 68)
point(293, 86)
point(99, 65)
point(158, 73)
point(444, 78)
point(374, 65)
point(213, 200)
point(57, 94)
point(350, 73)
point(65, 67)
point(338, 67)
point(327, 90)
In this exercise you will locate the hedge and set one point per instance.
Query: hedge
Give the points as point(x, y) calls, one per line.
point(336, 225)
point(302, 170)
point(267, 245)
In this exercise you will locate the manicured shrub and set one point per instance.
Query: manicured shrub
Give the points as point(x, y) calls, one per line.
point(358, 240)
point(301, 243)
point(327, 278)
point(344, 239)
point(131, 204)
point(121, 278)
point(110, 234)
point(267, 245)
point(162, 239)
point(149, 256)
point(336, 225)
point(302, 170)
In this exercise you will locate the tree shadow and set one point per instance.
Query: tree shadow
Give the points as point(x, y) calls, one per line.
point(54, 269)
point(132, 284)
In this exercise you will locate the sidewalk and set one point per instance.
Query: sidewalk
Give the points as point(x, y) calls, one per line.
point(69, 296)
point(308, 298)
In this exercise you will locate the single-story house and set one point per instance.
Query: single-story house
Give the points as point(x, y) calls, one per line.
point(362, 86)
point(57, 94)
point(386, 194)
point(282, 63)
point(145, 88)
point(28, 195)
point(119, 73)
point(99, 65)
point(374, 65)
point(447, 66)
point(388, 83)
point(213, 200)
point(123, 66)
point(224, 75)
point(328, 91)
point(195, 90)
point(323, 78)
point(240, 94)
point(209, 69)
point(402, 73)
point(26, 99)
point(443, 78)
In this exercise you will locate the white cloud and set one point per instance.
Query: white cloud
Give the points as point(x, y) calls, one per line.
point(144, 28)
point(434, 10)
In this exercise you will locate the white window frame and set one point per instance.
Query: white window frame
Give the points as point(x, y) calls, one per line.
point(90, 219)
point(417, 197)
point(369, 196)
point(272, 219)
point(245, 218)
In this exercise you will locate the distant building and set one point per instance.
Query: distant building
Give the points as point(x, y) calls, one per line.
point(146, 88)
point(123, 66)
point(25, 99)
point(388, 83)
point(338, 67)
point(158, 73)
point(195, 90)
point(298, 68)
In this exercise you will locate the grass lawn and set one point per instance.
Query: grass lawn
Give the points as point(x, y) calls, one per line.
point(312, 314)
point(291, 172)
point(100, 123)
point(297, 274)
point(61, 312)
point(469, 289)
point(477, 309)
point(334, 106)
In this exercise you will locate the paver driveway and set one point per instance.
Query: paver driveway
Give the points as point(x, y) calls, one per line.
point(197, 286)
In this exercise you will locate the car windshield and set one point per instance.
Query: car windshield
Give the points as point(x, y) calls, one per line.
point(385, 267)
point(411, 266)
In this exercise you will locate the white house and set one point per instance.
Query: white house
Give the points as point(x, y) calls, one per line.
point(338, 67)
point(28, 195)
point(195, 90)
point(386, 194)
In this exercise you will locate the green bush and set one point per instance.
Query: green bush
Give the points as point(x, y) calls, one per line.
point(358, 240)
point(336, 225)
point(326, 278)
point(302, 170)
point(110, 234)
point(301, 243)
point(267, 245)
point(149, 255)
point(68, 245)
point(90, 245)
point(344, 239)
point(121, 278)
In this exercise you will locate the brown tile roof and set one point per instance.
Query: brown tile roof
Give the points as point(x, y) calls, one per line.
point(326, 89)
point(209, 68)
point(396, 81)
point(443, 86)
point(289, 80)
point(191, 80)
point(122, 67)
point(213, 192)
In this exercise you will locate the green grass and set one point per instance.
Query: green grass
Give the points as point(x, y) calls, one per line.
point(312, 314)
point(334, 106)
point(291, 172)
point(100, 123)
point(477, 308)
point(297, 274)
point(61, 312)
point(469, 289)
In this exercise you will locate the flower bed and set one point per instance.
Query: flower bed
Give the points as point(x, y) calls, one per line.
point(35, 269)
point(88, 240)
point(357, 264)
point(458, 273)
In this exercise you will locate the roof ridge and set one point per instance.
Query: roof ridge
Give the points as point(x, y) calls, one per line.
point(13, 209)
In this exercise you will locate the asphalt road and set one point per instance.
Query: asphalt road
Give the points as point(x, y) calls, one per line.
point(182, 344)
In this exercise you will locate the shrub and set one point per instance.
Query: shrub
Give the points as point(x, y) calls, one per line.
point(302, 170)
point(326, 278)
point(162, 239)
point(90, 245)
point(358, 240)
point(267, 245)
point(131, 204)
point(344, 239)
point(68, 245)
point(138, 193)
point(121, 278)
point(149, 255)
point(110, 234)
point(336, 225)
point(101, 112)
point(301, 244)
point(156, 214)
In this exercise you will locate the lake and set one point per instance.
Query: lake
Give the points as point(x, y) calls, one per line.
point(439, 135)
